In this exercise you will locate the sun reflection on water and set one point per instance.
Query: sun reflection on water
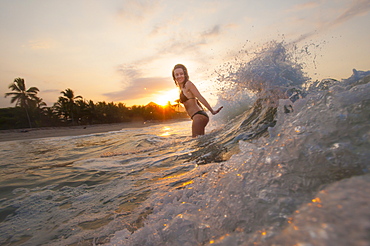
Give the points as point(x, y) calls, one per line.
point(165, 131)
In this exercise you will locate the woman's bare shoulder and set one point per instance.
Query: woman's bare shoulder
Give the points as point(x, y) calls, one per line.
point(193, 88)
point(190, 84)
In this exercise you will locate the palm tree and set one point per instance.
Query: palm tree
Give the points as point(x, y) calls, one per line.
point(67, 103)
point(22, 97)
point(177, 104)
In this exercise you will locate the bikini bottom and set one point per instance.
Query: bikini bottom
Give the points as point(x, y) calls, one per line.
point(201, 112)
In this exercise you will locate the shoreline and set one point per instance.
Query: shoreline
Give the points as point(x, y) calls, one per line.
point(48, 132)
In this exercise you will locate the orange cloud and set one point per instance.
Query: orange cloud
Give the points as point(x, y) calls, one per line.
point(40, 44)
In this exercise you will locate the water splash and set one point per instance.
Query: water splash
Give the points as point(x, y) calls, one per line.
point(310, 138)
point(269, 72)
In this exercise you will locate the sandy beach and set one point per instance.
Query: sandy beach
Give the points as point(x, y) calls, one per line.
point(46, 132)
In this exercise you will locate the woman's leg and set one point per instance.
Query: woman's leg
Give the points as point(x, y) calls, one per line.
point(199, 124)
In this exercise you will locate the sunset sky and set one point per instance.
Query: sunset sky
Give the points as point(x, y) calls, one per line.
point(124, 50)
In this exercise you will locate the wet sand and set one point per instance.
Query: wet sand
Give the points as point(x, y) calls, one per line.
point(46, 132)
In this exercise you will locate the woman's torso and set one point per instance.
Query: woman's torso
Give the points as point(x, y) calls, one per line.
point(189, 101)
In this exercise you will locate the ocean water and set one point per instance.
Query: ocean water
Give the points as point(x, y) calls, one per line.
point(286, 162)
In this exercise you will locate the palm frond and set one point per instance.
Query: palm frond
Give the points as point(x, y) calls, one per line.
point(33, 90)
point(20, 83)
point(10, 94)
point(14, 87)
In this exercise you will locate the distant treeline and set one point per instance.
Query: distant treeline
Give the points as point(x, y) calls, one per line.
point(31, 111)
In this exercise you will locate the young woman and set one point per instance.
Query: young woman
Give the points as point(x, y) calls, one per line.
point(190, 98)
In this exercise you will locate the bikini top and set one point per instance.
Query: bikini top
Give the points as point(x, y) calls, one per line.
point(184, 98)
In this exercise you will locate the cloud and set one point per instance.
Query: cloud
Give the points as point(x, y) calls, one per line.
point(190, 43)
point(357, 8)
point(214, 32)
point(140, 88)
point(181, 44)
point(304, 6)
point(129, 72)
point(40, 44)
point(182, 47)
point(137, 10)
point(169, 42)
point(166, 26)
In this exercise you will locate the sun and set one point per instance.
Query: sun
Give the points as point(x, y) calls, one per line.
point(164, 97)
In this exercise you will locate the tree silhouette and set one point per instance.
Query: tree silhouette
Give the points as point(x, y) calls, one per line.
point(22, 97)
point(66, 104)
point(69, 108)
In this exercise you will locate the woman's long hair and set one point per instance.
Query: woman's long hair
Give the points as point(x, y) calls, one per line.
point(185, 72)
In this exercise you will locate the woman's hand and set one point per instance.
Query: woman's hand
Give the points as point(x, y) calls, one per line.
point(218, 110)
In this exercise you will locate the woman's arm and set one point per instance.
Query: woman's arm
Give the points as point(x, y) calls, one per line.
point(193, 89)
